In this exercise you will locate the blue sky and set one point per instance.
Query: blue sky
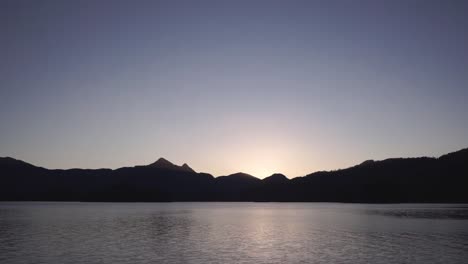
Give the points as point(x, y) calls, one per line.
point(227, 86)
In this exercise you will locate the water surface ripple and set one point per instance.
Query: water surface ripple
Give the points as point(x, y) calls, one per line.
point(232, 233)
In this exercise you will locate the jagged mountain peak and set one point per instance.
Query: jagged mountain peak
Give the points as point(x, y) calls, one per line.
point(163, 163)
point(186, 167)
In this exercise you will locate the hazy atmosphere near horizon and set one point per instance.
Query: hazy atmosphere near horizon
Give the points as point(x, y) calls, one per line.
point(227, 86)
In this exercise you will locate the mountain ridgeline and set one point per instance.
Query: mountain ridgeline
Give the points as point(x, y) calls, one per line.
point(397, 180)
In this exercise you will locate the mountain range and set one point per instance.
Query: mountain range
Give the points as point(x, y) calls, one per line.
point(395, 180)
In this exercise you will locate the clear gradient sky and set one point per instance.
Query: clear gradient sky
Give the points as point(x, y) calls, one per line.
point(227, 86)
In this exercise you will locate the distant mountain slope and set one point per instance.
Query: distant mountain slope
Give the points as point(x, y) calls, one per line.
point(441, 180)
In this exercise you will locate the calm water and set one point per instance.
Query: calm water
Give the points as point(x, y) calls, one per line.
point(232, 233)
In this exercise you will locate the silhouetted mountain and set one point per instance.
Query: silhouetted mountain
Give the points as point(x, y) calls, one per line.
point(276, 178)
point(235, 187)
point(162, 163)
point(443, 179)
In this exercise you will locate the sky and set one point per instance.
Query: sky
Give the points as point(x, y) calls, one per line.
point(227, 86)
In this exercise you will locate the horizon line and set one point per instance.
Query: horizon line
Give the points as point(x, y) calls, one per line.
point(238, 172)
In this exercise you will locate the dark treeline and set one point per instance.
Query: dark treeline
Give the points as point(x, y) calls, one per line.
point(441, 180)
